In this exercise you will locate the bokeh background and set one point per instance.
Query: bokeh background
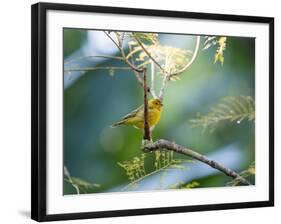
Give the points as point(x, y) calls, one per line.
point(94, 100)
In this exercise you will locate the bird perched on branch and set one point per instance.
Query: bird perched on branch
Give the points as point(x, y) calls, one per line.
point(136, 117)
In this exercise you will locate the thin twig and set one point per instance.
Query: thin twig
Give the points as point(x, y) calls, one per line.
point(94, 56)
point(149, 55)
point(146, 135)
point(113, 41)
point(137, 74)
point(120, 39)
point(67, 174)
point(191, 60)
point(119, 46)
point(133, 52)
point(163, 87)
point(152, 83)
point(140, 80)
point(143, 64)
point(86, 69)
point(167, 75)
point(167, 145)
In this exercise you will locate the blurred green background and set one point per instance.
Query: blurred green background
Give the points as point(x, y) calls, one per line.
point(94, 100)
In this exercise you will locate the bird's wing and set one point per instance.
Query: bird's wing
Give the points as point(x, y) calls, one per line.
point(133, 113)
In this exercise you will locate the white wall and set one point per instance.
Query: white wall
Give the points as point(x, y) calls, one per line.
point(15, 110)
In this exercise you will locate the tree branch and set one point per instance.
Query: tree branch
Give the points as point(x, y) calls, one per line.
point(147, 135)
point(167, 145)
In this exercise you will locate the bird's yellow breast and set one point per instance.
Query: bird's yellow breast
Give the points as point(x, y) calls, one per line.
point(154, 116)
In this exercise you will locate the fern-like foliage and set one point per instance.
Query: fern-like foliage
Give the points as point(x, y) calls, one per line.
point(135, 168)
point(220, 42)
point(171, 59)
point(231, 109)
point(251, 171)
point(80, 185)
point(181, 185)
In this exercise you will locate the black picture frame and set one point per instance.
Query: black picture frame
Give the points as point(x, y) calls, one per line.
point(39, 122)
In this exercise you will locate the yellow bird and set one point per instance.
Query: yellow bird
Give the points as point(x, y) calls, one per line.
point(136, 117)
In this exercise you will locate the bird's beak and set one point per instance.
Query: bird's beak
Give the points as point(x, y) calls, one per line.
point(161, 104)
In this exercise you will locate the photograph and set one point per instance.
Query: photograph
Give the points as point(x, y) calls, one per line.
point(151, 111)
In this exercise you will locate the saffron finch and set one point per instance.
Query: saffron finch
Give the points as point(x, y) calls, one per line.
point(136, 117)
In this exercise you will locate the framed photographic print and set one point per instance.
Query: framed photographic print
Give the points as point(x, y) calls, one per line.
point(138, 111)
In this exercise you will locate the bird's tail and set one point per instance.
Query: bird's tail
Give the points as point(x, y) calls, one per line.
point(117, 124)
